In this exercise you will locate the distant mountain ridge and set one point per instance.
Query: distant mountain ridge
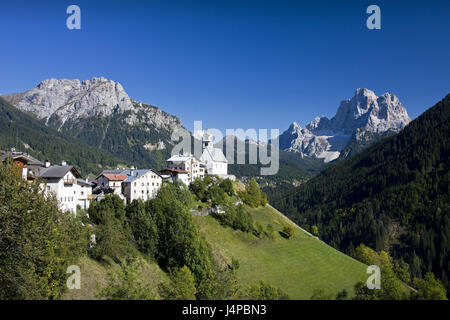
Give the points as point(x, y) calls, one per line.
point(366, 112)
point(100, 113)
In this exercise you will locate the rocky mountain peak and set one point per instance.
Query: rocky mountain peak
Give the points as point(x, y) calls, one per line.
point(365, 111)
point(295, 126)
point(65, 98)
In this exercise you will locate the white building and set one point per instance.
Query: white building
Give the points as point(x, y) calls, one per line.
point(141, 184)
point(194, 168)
point(213, 158)
point(63, 182)
point(84, 190)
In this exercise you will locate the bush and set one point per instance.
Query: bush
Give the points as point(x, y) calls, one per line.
point(235, 217)
point(126, 284)
point(264, 291)
point(253, 196)
point(227, 186)
point(429, 288)
point(214, 191)
point(288, 231)
point(181, 287)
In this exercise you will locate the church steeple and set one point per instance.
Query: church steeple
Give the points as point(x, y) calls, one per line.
point(207, 140)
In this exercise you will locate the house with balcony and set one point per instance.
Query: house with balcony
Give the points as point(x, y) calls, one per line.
point(186, 164)
point(21, 160)
point(63, 181)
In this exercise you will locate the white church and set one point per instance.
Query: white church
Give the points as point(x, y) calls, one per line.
point(187, 167)
point(213, 158)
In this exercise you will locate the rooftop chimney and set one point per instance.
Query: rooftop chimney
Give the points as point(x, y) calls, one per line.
point(47, 163)
point(64, 163)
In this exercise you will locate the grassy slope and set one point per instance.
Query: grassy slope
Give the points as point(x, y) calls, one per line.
point(94, 272)
point(298, 266)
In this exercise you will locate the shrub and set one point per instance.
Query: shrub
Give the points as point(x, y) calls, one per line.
point(126, 284)
point(288, 231)
point(252, 195)
point(181, 287)
point(264, 291)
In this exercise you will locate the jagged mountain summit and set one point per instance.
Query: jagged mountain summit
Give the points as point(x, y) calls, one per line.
point(363, 119)
point(100, 112)
point(62, 100)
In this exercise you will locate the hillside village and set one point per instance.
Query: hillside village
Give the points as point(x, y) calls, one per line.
point(73, 192)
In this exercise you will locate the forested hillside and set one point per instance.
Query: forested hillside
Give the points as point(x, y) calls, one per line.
point(142, 143)
point(24, 132)
point(393, 196)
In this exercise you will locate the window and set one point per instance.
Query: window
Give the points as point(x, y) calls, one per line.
point(48, 188)
point(135, 184)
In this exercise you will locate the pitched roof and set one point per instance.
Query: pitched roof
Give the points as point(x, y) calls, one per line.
point(136, 174)
point(19, 155)
point(115, 177)
point(55, 172)
point(216, 154)
point(112, 171)
point(180, 158)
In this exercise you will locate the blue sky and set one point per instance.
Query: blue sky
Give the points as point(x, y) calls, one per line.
point(234, 64)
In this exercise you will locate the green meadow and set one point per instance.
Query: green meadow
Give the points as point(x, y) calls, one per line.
point(298, 266)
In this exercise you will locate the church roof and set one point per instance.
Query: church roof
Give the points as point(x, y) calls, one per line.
point(216, 154)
